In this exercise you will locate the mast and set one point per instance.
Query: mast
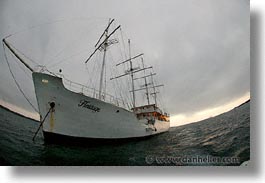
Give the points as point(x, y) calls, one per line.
point(100, 45)
point(154, 89)
point(103, 47)
point(17, 56)
point(146, 86)
point(131, 69)
point(103, 63)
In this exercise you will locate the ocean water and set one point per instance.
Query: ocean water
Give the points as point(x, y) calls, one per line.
point(219, 141)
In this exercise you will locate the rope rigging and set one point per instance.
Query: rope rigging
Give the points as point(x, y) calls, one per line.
point(18, 86)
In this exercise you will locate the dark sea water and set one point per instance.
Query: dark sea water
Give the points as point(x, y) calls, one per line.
point(222, 140)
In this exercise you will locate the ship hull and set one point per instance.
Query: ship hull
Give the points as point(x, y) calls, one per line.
point(54, 138)
point(80, 117)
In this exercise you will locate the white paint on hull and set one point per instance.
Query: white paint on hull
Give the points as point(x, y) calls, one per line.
point(71, 119)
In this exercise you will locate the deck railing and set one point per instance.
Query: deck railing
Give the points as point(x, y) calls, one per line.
point(92, 92)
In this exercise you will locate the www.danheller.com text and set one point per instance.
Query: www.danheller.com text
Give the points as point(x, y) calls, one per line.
point(190, 160)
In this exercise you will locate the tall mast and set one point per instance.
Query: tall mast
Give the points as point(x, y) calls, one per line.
point(103, 64)
point(102, 45)
point(131, 70)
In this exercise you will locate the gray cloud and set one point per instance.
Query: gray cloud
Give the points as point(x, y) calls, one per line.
point(200, 49)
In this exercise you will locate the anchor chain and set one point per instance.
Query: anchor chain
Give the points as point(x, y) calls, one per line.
point(52, 105)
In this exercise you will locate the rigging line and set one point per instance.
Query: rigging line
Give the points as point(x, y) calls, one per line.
point(114, 86)
point(117, 37)
point(22, 68)
point(66, 47)
point(13, 76)
point(105, 80)
point(117, 87)
point(123, 43)
point(67, 58)
point(69, 45)
point(120, 48)
point(51, 72)
point(99, 46)
point(111, 73)
point(23, 54)
point(163, 100)
point(93, 72)
point(89, 81)
point(127, 80)
point(45, 23)
point(39, 25)
point(125, 90)
point(35, 26)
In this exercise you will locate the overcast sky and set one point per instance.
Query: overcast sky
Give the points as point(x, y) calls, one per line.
point(199, 48)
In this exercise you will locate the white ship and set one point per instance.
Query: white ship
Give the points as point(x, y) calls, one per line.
point(91, 114)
